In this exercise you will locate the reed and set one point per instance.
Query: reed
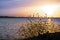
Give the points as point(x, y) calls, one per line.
point(34, 28)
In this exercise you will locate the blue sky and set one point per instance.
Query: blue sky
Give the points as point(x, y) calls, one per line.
point(4, 4)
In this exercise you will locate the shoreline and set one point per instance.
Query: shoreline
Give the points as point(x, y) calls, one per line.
point(25, 17)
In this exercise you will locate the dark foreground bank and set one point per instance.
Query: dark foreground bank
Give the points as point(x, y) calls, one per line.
point(47, 36)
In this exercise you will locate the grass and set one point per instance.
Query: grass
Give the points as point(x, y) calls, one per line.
point(36, 28)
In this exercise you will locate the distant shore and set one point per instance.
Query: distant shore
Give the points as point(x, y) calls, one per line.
point(25, 17)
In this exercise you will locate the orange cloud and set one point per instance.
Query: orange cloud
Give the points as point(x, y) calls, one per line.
point(43, 2)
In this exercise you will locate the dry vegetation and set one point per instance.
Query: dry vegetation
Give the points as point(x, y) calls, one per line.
point(34, 28)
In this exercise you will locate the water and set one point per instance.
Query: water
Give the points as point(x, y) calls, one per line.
point(9, 26)
point(56, 20)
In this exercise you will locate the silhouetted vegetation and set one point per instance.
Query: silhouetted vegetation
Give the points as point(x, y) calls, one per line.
point(38, 30)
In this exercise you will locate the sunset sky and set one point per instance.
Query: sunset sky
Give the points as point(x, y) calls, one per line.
point(24, 8)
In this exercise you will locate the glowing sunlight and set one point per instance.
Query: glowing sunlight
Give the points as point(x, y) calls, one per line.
point(49, 9)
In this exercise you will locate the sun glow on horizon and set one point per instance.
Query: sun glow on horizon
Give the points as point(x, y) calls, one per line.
point(49, 9)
